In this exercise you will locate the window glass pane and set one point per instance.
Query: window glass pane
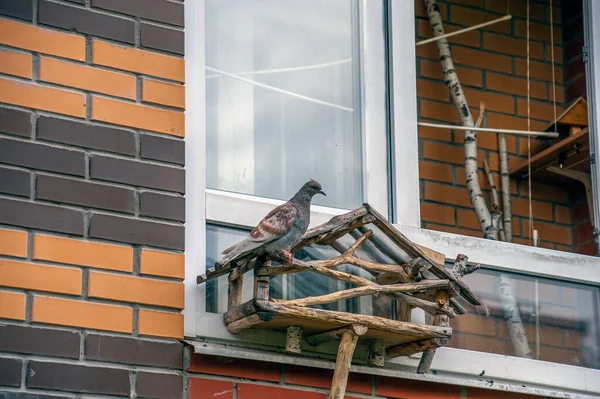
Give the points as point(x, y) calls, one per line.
point(290, 286)
point(491, 65)
point(282, 98)
point(561, 320)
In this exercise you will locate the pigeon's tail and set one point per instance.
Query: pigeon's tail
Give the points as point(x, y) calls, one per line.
point(236, 251)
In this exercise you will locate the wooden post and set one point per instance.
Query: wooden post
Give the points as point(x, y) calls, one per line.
point(293, 339)
point(376, 353)
point(262, 282)
point(342, 364)
point(441, 320)
point(234, 295)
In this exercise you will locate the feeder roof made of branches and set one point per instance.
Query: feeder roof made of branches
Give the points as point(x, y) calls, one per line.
point(385, 244)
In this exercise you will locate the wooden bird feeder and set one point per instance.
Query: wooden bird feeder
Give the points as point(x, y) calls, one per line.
point(397, 269)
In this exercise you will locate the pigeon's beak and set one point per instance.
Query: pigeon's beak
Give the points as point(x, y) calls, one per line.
point(322, 192)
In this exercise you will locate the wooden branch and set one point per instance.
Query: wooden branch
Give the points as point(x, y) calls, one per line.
point(492, 184)
point(293, 339)
point(439, 320)
point(416, 346)
point(376, 353)
point(375, 253)
point(458, 308)
point(249, 321)
point(415, 267)
point(462, 268)
point(423, 304)
point(318, 339)
point(466, 119)
point(372, 322)
point(358, 242)
point(234, 294)
point(342, 365)
point(262, 283)
point(505, 186)
point(368, 290)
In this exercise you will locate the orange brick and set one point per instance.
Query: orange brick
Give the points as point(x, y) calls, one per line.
point(160, 324)
point(43, 98)
point(437, 213)
point(433, 90)
point(546, 192)
point(469, 17)
point(517, 8)
point(558, 54)
point(453, 230)
point(13, 243)
point(557, 355)
point(487, 345)
point(439, 111)
point(482, 59)
point(444, 152)
point(45, 41)
point(512, 46)
point(138, 116)
point(468, 219)
point(135, 289)
point(163, 93)
point(12, 305)
point(541, 210)
point(562, 214)
point(135, 60)
point(493, 101)
point(549, 232)
point(160, 263)
point(467, 76)
point(447, 194)
point(500, 121)
point(538, 110)
point(537, 31)
point(83, 253)
point(67, 312)
point(539, 70)
point(434, 133)
point(87, 78)
point(31, 276)
point(517, 86)
point(475, 324)
point(435, 171)
point(466, 39)
point(17, 64)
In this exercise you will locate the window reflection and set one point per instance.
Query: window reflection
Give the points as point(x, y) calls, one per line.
point(561, 319)
point(282, 98)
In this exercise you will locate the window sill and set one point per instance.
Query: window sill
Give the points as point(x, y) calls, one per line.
point(555, 380)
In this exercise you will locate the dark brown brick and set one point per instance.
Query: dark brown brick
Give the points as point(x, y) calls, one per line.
point(86, 135)
point(41, 156)
point(39, 341)
point(135, 231)
point(161, 386)
point(40, 216)
point(76, 378)
point(162, 206)
point(85, 193)
point(161, 38)
point(137, 173)
point(170, 12)
point(15, 122)
point(162, 149)
point(14, 181)
point(23, 395)
point(86, 21)
point(134, 351)
point(17, 9)
point(10, 372)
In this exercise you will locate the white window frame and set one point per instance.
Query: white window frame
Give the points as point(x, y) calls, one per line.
point(454, 366)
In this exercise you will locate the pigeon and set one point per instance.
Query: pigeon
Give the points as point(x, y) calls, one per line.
point(279, 231)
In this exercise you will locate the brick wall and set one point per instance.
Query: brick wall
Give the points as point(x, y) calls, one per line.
point(491, 64)
point(91, 205)
point(211, 376)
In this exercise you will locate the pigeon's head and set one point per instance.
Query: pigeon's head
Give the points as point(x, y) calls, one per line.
point(313, 187)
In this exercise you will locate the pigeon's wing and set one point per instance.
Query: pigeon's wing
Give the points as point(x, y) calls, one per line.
point(275, 225)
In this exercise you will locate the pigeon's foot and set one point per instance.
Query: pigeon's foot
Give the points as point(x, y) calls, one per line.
point(289, 259)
